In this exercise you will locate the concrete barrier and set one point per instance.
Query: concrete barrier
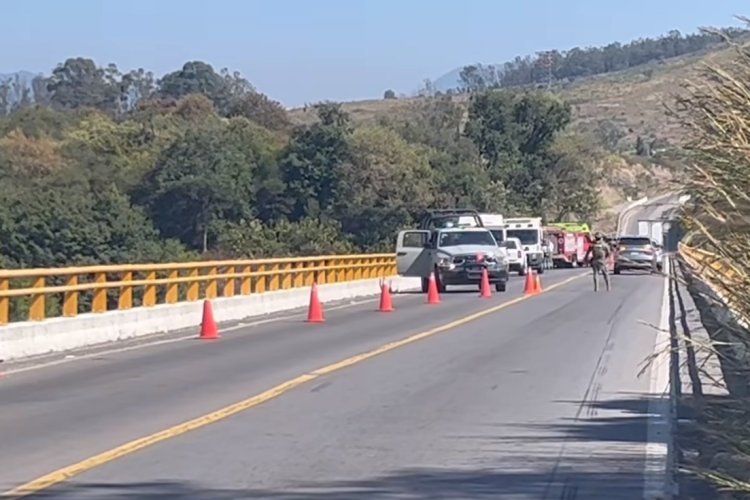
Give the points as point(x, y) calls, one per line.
point(34, 338)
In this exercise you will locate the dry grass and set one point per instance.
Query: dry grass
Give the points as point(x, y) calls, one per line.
point(715, 114)
point(614, 109)
point(633, 99)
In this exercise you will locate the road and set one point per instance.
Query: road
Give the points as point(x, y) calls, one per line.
point(660, 207)
point(536, 399)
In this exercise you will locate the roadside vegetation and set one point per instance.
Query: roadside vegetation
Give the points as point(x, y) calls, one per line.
point(101, 166)
point(714, 109)
point(91, 177)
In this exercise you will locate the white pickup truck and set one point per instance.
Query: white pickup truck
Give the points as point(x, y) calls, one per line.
point(457, 256)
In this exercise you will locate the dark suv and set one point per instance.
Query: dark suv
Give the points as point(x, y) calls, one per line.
point(636, 253)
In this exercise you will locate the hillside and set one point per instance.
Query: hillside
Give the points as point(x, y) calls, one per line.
point(631, 100)
point(612, 110)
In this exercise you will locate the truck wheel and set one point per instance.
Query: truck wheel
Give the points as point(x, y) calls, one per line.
point(425, 285)
point(540, 270)
point(522, 271)
point(500, 287)
point(617, 270)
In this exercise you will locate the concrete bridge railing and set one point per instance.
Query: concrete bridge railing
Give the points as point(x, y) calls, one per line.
point(51, 310)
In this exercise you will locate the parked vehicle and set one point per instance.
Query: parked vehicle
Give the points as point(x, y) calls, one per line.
point(516, 256)
point(636, 253)
point(570, 247)
point(529, 231)
point(456, 251)
point(458, 217)
point(496, 224)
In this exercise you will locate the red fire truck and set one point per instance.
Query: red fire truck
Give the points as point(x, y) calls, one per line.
point(569, 242)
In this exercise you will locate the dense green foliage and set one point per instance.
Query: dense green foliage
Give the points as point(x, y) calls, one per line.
point(112, 167)
point(552, 66)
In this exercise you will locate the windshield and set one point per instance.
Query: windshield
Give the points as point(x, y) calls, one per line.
point(634, 242)
point(527, 236)
point(498, 234)
point(456, 238)
point(443, 221)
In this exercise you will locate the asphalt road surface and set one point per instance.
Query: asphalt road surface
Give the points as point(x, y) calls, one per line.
point(660, 207)
point(539, 399)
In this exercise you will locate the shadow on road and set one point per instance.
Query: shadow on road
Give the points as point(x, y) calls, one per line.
point(593, 423)
point(557, 463)
point(412, 484)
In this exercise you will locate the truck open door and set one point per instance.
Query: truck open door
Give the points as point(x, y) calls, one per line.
point(413, 253)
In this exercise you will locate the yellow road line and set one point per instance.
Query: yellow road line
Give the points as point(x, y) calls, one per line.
point(61, 475)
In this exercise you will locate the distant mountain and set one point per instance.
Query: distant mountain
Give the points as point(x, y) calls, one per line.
point(448, 81)
point(452, 80)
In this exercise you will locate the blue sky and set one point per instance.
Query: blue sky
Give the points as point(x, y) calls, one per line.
point(301, 51)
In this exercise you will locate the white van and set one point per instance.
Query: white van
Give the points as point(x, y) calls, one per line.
point(530, 232)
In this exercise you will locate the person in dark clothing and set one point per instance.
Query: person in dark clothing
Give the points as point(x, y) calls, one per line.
point(598, 255)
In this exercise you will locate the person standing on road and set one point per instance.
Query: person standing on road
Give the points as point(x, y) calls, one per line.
point(598, 256)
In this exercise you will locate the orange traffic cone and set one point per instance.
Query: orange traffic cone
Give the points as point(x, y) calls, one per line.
point(432, 292)
point(537, 282)
point(315, 312)
point(529, 285)
point(486, 293)
point(386, 303)
point(209, 330)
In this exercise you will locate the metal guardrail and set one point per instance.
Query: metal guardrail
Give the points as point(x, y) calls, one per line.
point(56, 292)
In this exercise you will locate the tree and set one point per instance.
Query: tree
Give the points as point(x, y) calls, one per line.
point(136, 86)
point(29, 156)
point(51, 225)
point(80, 83)
point(386, 180)
point(198, 77)
point(572, 180)
point(39, 92)
point(577, 62)
point(203, 178)
point(254, 240)
point(332, 114)
point(389, 94)
point(477, 78)
point(259, 108)
point(513, 132)
point(427, 89)
point(311, 165)
point(6, 103)
point(121, 168)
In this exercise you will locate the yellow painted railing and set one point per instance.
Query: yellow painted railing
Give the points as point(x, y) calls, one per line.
point(719, 274)
point(704, 260)
point(72, 290)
